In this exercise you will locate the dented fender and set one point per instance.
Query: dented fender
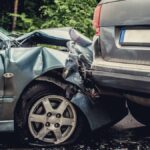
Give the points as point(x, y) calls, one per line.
point(103, 113)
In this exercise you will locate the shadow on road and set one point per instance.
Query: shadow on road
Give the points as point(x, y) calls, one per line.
point(137, 138)
point(10, 140)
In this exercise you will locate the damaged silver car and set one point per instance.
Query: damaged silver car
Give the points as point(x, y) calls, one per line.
point(50, 96)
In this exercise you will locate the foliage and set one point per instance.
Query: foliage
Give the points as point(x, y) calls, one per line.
point(74, 13)
point(24, 23)
point(55, 13)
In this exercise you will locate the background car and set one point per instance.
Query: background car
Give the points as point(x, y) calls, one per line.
point(123, 51)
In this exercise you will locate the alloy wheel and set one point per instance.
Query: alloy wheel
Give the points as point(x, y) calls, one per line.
point(52, 119)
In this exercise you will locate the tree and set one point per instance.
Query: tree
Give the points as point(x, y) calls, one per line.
point(16, 3)
point(30, 15)
point(74, 13)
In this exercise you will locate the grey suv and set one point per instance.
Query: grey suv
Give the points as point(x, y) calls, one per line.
point(122, 59)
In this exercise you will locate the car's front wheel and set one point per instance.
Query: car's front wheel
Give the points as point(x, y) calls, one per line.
point(52, 119)
point(47, 118)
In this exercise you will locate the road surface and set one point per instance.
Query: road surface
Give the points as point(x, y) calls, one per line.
point(127, 134)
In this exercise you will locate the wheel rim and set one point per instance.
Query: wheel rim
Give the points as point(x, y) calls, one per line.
point(52, 119)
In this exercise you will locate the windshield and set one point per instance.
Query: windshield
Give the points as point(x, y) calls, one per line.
point(4, 37)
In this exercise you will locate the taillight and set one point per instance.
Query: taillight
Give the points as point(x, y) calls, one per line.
point(96, 19)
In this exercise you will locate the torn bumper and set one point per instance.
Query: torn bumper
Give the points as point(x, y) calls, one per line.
point(108, 111)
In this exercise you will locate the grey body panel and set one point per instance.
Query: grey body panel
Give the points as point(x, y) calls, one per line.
point(127, 12)
point(113, 51)
point(122, 76)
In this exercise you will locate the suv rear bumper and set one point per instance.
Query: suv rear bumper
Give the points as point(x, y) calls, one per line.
point(123, 76)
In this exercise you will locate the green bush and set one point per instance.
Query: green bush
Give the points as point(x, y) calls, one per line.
point(53, 13)
point(74, 13)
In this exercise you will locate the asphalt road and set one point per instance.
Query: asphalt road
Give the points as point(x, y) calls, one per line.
point(127, 134)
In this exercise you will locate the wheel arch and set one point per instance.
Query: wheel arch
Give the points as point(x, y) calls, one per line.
point(42, 78)
point(96, 116)
point(50, 78)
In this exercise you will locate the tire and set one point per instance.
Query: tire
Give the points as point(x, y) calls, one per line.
point(43, 110)
point(140, 113)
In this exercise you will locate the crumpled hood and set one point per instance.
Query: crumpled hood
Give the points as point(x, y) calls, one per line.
point(37, 59)
point(52, 36)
